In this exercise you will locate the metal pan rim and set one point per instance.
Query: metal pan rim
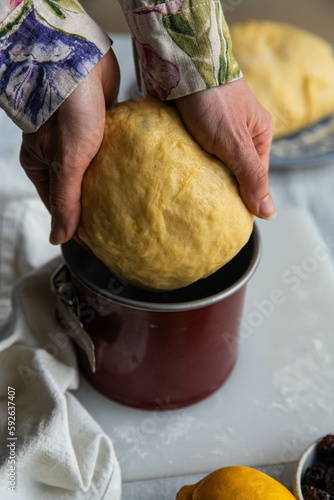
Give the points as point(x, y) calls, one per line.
point(170, 307)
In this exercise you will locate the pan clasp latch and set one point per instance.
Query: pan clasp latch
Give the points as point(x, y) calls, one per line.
point(68, 312)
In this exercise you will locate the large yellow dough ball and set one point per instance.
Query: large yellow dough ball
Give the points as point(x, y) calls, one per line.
point(156, 208)
point(291, 72)
point(236, 483)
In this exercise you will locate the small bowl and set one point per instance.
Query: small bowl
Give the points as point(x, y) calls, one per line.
point(306, 460)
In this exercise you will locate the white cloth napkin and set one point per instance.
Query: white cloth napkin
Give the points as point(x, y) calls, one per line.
point(60, 452)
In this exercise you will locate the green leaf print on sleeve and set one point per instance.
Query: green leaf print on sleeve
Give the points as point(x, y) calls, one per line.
point(7, 27)
point(190, 30)
point(60, 7)
point(228, 66)
point(193, 29)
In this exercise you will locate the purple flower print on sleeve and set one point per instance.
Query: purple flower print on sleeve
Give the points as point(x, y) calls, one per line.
point(160, 76)
point(168, 9)
point(35, 64)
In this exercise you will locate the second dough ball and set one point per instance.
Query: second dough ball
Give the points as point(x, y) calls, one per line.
point(290, 70)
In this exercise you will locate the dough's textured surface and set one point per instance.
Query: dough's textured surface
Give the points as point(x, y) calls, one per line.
point(156, 208)
point(291, 72)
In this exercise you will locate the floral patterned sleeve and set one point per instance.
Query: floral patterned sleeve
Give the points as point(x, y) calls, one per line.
point(184, 46)
point(46, 48)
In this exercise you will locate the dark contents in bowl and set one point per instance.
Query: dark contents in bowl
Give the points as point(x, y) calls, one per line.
point(318, 480)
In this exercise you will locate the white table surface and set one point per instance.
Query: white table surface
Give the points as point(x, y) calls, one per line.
point(309, 188)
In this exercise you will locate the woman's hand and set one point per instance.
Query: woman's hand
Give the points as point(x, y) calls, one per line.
point(56, 156)
point(229, 122)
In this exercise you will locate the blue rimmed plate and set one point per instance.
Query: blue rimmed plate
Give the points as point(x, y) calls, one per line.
point(312, 146)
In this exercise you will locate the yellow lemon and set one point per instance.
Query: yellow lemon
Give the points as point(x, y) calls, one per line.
point(156, 208)
point(290, 70)
point(236, 483)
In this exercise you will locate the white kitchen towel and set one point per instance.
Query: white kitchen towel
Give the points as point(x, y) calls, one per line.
point(50, 446)
point(24, 243)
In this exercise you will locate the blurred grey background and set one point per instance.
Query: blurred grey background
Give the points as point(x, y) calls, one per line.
point(314, 15)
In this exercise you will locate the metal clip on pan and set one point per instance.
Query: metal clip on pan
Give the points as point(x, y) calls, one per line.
point(68, 312)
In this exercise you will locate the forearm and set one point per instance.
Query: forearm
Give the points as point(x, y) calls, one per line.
point(46, 49)
point(184, 46)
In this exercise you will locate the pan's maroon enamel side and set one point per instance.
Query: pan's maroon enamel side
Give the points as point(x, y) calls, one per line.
point(150, 359)
point(160, 350)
